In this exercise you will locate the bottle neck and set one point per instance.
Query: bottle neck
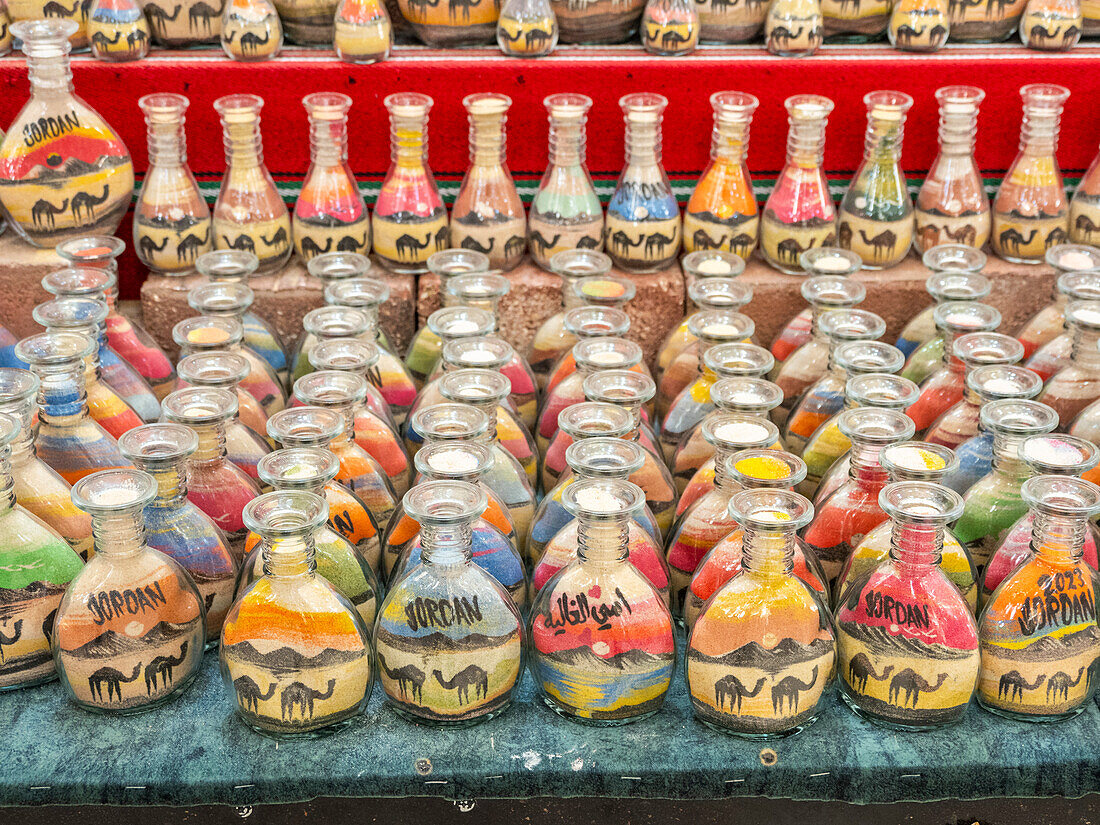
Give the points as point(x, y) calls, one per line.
point(49, 73)
point(817, 311)
point(1039, 131)
point(490, 410)
point(409, 140)
point(914, 548)
point(447, 544)
point(22, 446)
point(567, 141)
point(171, 484)
point(62, 395)
point(347, 435)
point(7, 482)
point(767, 555)
point(806, 143)
point(1006, 456)
point(882, 141)
point(487, 140)
point(722, 478)
point(118, 535)
point(1058, 539)
point(958, 126)
point(166, 140)
point(643, 139)
point(328, 138)
point(729, 139)
point(289, 557)
point(864, 467)
point(242, 140)
point(603, 541)
point(1085, 353)
point(211, 442)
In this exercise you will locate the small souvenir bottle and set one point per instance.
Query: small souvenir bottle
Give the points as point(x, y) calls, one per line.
point(907, 618)
point(494, 548)
point(331, 268)
point(864, 23)
point(589, 419)
point(527, 28)
point(1056, 353)
point(852, 510)
point(330, 323)
point(553, 542)
point(566, 212)
point(366, 294)
point(552, 339)
point(919, 25)
point(206, 333)
point(1077, 385)
point(37, 564)
point(175, 526)
point(746, 615)
point(643, 219)
point(109, 21)
point(983, 386)
point(1051, 25)
point(1031, 211)
point(361, 358)
point(39, 489)
point(670, 28)
point(905, 462)
point(446, 324)
point(86, 195)
point(794, 28)
point(822, 293)
point(126, 340)
point(446, 618)
point(612, 612)
point(876, 213)
point(293, 615)
point(251, 30)
point(799, 212)
point(1044, 455)
point(106, 401)
point(587, 322)
point(945, 284)
point(708, 293)
point(1084, 207)
point(364, 32)
point(171, 219)
point(1087, 424)
point(1049, 323)
point(249, 213)
point(215, 485)
point(316, 428)
point(410, 220)
point(339, 562)
point(330, 213)
point(993, 503)
point(69, 440)
point(246, 433)
point(1022, 648)
point(344, 394)
point(126, 655)
point(952, 206)
point(194, 23)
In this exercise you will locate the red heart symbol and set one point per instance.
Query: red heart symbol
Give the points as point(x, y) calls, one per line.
point(594, 591)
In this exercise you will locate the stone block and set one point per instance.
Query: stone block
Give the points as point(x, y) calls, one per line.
point(22, 268)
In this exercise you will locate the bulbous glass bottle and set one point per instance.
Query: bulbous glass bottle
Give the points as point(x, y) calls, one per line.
point(531, 21)
point(781, 35)
point(591, 321)
point(670, 27)
point(366, 294)
point(1048, 324)
point(1075, 386)
point(983, 386)
point(446, 324)
point(252, 30)
point(363, 31)
point(232, 300)
point(588, 419)
point(1051, 25)
point(827, 289)
point(330, 323)
point(705, 292)
point(949, 282)
point(1055, 354)
point(919, 25)
point(111, 20)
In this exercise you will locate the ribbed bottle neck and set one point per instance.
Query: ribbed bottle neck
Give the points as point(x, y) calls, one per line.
point(165, 139)
point(289, 557)
point(328, 138)
point(1058, 539)
point(567, 140)
point(767, 555)
point(120, 534)
point(914, 548)
point(447, 544)
point(603, 540)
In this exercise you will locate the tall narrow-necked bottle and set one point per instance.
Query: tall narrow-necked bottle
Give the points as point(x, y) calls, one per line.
point(952, 206)
point(643, 218)
point(876, 213)
point(249, 213)
point(1077, 384)
point(410, 220)
point(1084, 208)
point(955, 277)
point(330, 213)
point(1031, 211)
point(706, 290)
point(566, 213)
point(64, 172)
point(1055, 353)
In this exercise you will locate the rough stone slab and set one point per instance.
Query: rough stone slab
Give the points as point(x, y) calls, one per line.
point(657, 307)
point(22, 268)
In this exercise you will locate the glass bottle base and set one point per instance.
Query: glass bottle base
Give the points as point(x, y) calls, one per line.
point(758, 737)
point(886, 723)
point(565, 713)
point(450, 723)
point(316, 733)
point(1028, 717)
point(33, 682)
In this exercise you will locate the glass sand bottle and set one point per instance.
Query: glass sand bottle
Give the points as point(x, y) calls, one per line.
point(233, 300)
point(364, 31)
point(329, 323)
point(823, 293)
point(1048, 324)
point(919, 25)
point(252, 30)
point(589, 419)
point(946, 283)
point(794, 28)
point(983, 386)
point(527, 28)
point(704, 293)
point(446, 324)
point(670, 28)
point(594, 320)
point(365, 359)
point(1084, 207)
point(1051, 25)
point(1075, 386)
point(1055, 354)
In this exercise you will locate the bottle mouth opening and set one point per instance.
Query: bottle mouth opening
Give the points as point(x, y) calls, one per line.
point(155, 444)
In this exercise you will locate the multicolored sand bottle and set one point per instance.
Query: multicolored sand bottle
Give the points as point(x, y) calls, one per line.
point(446, 324)
point(64, 172)
point(494, 547)
point(233, 300)
point(175, 526)
point(670, 27)
point(863, 23)
point(5, 31)
point(39, 489)
point(919, 25)
point(765, 622)
point(207, 333)
point(1084, 207)
point(984, 24)
point(876, 213)
point(799, 213)
point(330, 323)
point(643, 218)
point(822, 293)
point(554, 531)
point(603, 650)
point(364, 31)
point(945, 284)
point(109, 21)
point(794, 28)
point(952, 206)
point(851, 511)
point(194, 23)
point(38, 563)
point(130, 630)
point(215, 485)
point(709, 293)
point(1048, 324)
point(366, 294)
point(251, 30)
point(69, 440)
point(107, 405)
point(566, 213)
point(1031, 211)
point(488, 213)
point(291, 633)
point(587, 322)
point(1057, 354)
point(339, 561)
point(527, 28)
point(721, 213)
point(449, 638)
point(410, 220)
point(365, 359)
point(552, 339)
point(905, 617)
point(825, 397)
point(348, 515)
point(1051, 25)
point(589, 419)
point(911, 461)
point(1077, 385)
point(983, 386)
point(330, 213)
point(249, 213)
point(751, 470)
point(344, 393)
point(1044, 455)
point(1024, 640)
